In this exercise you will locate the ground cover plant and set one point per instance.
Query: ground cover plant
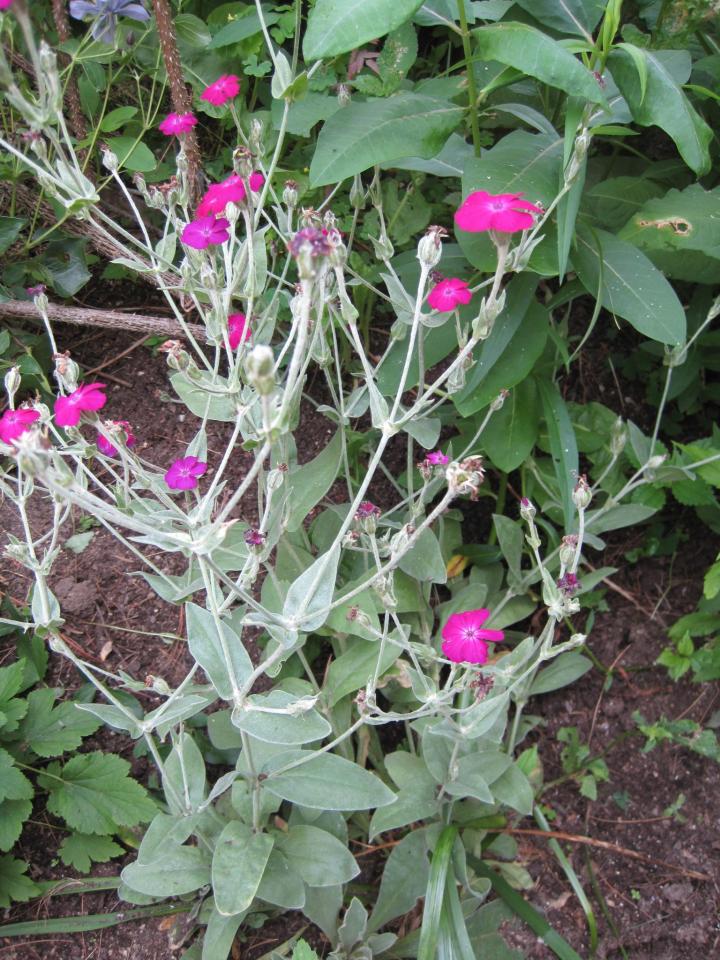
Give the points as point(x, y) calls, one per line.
point(404, 223)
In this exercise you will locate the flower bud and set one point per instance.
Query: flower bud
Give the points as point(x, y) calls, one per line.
point(384, 250)
point(67, 372)
point(582, 494)
point(257, 129)
point(178, 359)
point(260, 369)
point(290, 194)
point(527, 510)
point(568, 549)
point(357, 194)
point(343, 94)
point(618, 437)
point(429, 249)
point(366, 516)
point(466, 478)
point(109, 159)
point(499, 400)
point(12, 382)
point(655, 462)
point(488, 314)
point(338, 250)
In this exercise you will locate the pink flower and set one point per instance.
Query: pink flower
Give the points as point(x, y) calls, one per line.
point(437, 458)
point(205, 231)
point(109, 449)
point(224, 89)
point(5, 4)
point(505, 213)
point(176, 123)
point(88, 396)
point(256, 181)
point(464, 640)
point(219, 195)
point(447, 294)
point(238, 329)
point(13, 423)
point(253, 537)
point(183, 474)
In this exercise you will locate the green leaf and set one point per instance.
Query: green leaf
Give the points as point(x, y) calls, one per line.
point(176, 870)
point(664, 104)
point(319, 857)
point(308, 597)
point(511, 538)
point(303, 951)
point(219, 936)
point(79, 541)
point(94, 793)
point(66, 265)
point(537, 55)
point(326, 782)
point(680, 221)
point(280, 884)
point(613, 202)
point(10, 228)
point(52, 728)
point(238, 865)
point(336, 26)
point(116, 118)
point(404, 880)
point(132, 154)
point(311, 482)
point(191, 30)
point(356, 667)
point(579, 17)
point(512, 431)
point(243, 27)
point(13, 814)
point(563, 670)
point(435, 895)
point(424, 560)
point(362, 135)
point(563, 446)
point(289, 728)
point(88, 922)
point(629, 285)
point(80, 850)
point(14, 785)
point(514, 789)
point(206, 646)
point(712, 581)
point(14, 885)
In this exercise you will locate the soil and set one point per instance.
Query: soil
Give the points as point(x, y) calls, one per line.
point(655, 907)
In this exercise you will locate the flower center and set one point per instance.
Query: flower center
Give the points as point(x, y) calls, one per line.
point(498, 205)
point(470, 633)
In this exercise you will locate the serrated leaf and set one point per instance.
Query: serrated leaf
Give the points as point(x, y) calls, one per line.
point(362, 135)
point(14, 885)
point(336, 26)
point(51, 728)
point(13, 814)
point(80, 850)
point(94, 793)
point(14, 785)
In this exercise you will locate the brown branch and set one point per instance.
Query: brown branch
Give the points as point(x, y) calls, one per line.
point(107, 319)
point(181, 98)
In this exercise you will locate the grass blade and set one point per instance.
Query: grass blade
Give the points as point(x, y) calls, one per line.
point(435, 894)
point(96, 921)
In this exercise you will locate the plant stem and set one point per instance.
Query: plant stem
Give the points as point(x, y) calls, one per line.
point(472, 89)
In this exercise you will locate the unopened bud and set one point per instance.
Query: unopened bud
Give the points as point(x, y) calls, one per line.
point(582, 494)
point(499, 400)
point(490, 309)
point(12, 382)
point(343, 94)
point(357, 194)
point(177, 358)
point(568, 549)
point(429, 248)
point(366, 516)
point(655, 462)
point(618, 437)
point(527, 510)
point(67, 372)
point(290, 194)
point(260, 369)
point(257, 129)
point(109, 159)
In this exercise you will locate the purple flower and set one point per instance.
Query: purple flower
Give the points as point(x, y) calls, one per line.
point(105, 13)
point(569, 584)
point(311, 239)
point(183, 474)
point(253, 538)
point(366, 510)
point(437, 458)
point(205, 231)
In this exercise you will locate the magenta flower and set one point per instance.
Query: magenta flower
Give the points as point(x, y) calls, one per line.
point(504, 213)
point(238, 329)
point(366, 510)
point(447, 294)
point(219, 195)
point(109, 449)
point(256, 181)
point(13, 423)
point(39, 288)
point(88, 396)
point(465, 640)
point(225, 88)
point(437, 458)
point(253, 538)
point(569, 584)
point(5, 4)
point(183, 474)
point(205, 231)
point(176, 123)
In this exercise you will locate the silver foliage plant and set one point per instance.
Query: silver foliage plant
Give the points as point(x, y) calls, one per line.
point(272, 832)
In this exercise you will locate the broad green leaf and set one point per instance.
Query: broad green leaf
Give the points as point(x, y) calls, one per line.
point(563, 446)
point(66, 265)
point(50, 727)
point(14, 885)
point(80, 850)
point(404, 880)
point(579, 17)
point(176, 871)
point(563, 670)
point(199, 402)
point(10, 228)
point(319, 857)
point(326, 782)
point(191, 30)
point(184, 780)
point(220, 658)
point(512, 431)
point(116, 118)
point(133, 155)
point(511, 538)
point(513, 788)
point(308, 598)
point(613, 202)
point(356, 667)
point(629, 285)
point(362, 135)
point(94, 793)
point(682, 220)
point(219, 936)
point(13, 814)
point(14, 785)
point(537, 55)
point(280, 884)
point(664, 104)
point(424, 560)
point(336, 26)
point(312, 481)
point(242, 27)
point(238, 865)
point(304, 114)
point(288, 728)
